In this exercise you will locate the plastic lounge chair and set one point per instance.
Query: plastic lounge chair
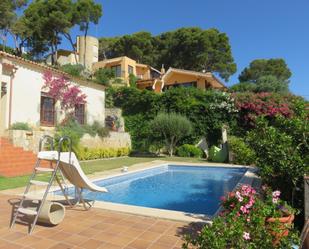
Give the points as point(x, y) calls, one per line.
point(70, 168)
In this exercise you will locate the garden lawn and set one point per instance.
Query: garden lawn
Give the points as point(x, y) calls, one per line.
point(92, 167)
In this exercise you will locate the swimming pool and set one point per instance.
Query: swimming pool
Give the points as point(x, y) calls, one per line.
point(189, 189)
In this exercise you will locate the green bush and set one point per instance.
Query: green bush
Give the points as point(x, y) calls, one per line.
point(170, 128)
point(132, 80)
point(104, 75)
point(74, 70)
point(75, 131)
point(188, 150)
point(85, 153)
point(207, 111)
point(241, 153)
point(20, 126)
point(282, 155)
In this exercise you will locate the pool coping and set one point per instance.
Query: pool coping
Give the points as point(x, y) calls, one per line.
point(247, 178)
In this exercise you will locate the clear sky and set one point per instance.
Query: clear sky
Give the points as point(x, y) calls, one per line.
point(256, 28)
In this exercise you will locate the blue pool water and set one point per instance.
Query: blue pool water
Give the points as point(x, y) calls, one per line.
point(193, 189)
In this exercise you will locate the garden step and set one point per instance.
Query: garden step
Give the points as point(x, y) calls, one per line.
point(15, 161)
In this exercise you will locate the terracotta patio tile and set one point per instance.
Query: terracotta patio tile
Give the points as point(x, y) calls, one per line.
point(141, 225)
point(13, 236)
point(140, 244)
point(10, 245)
point(158, 246)
point(166, 240)
point(158, 228)
point(151, 236)
point(110, 246)
point(60, 236)
point(120, 240)
point(28, 240)
point(45, 232)
point(91, 244)
point(89, 232)
point(103, 236)
point(75, 239)
point(133, 233)
point(43, 243)
point(61, 245)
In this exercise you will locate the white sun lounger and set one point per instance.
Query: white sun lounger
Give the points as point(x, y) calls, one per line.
point(70, 168)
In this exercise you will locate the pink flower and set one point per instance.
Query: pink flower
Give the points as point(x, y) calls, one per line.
point(246, 236)
point(275, 200)
point(239, 197)
point(276, 194)
point(243, 209)
point(248, 219)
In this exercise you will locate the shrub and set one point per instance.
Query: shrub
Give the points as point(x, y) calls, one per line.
point(85, 153)
point(241, 153)
point(207, 111)
point(171, 127)
point(242, 223)
point(20, 126)
point(188, 150)
point(104, 75)
point(74, 70)
point(270, 105)
point(132, 80)
point(243, 87)
point(281, 156)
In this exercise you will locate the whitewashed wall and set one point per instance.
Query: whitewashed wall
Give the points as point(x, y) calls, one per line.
point(26, 97)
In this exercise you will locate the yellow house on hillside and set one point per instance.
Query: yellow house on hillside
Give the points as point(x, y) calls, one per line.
point(155, 80)
point(124, 66)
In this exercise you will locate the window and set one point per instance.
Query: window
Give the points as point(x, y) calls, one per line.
point(130, 70)
point(117, 70)
point(47, 111)
point(80, 113)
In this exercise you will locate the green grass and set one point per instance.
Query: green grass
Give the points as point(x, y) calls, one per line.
point(92, 167)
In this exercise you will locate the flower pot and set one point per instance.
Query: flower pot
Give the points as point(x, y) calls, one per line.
point(283, 227)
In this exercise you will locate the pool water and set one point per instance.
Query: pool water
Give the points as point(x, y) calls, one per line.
point(192, 189)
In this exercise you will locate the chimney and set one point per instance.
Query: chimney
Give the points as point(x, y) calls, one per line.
point(162, 69)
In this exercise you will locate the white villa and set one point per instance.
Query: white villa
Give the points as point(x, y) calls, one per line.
point(23, 100)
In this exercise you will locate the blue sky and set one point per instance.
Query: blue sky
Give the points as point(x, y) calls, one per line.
point(256, 28)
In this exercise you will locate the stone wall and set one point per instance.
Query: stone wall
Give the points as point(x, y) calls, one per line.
point(114, 140)
point(28, 140)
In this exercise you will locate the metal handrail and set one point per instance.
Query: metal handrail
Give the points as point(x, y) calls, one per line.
point(47, 138)
point(61, 140)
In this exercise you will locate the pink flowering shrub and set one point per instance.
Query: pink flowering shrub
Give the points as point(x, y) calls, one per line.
point(242, 222)
point(253, 105)
point(60, 89)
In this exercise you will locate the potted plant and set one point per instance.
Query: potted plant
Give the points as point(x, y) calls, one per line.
point(280, 215)
point(242, 224)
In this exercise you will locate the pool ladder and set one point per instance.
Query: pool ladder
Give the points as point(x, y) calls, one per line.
point(56, 174)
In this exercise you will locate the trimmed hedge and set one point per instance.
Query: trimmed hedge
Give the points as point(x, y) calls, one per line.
point(85, 153)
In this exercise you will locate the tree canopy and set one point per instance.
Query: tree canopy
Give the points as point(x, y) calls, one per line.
point(44, 23)
point(187, 48)
point(264, 75)
point(263, 67)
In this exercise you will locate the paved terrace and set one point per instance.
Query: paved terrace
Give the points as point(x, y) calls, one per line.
point(95, 228)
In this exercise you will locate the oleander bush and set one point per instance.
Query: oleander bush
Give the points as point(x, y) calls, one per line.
point(189, 150)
